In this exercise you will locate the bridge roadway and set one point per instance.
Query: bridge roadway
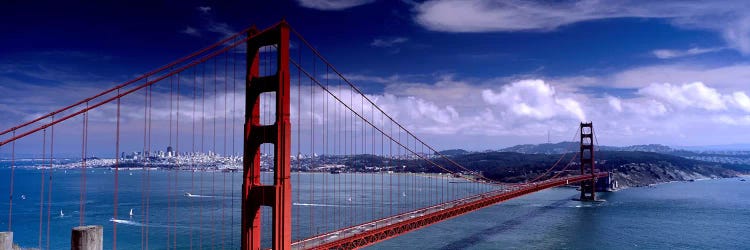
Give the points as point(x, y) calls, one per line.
point(389, 227)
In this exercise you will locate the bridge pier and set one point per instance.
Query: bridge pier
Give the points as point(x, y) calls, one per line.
point(606, 184)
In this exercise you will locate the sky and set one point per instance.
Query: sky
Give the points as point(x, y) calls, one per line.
point(483, 74)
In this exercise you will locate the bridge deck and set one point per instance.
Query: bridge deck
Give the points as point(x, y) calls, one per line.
point(382, 229)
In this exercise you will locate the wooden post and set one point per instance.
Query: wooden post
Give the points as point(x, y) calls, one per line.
point(6, 240)
point(87, 238)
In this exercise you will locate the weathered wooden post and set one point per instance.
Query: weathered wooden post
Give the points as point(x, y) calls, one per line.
point(6, 240)
point(87, 238)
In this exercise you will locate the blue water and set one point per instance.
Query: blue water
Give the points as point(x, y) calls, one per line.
point(710, 214)
point(210, 215)
point(690, 215)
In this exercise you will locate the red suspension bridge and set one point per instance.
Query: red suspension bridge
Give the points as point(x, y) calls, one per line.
point(322, 164)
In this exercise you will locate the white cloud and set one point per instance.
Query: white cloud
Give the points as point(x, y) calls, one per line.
point(645, 107)
point(204, 9)
point(332, 4)
point(456, 107)
point(535, 99)
point(209, 24)
point(725, 77)
point(388, 42)
point(696, 95)
point(670, 53)
point(444, 110)
point(729, 18)
point(523, 110)
point(499, 115)
point(731, 76)
point(444, 89)
point(220, 28)
point(737, 33)
point(489, 15)
point(615, 103)
point(741, 100)
point(732, 120)
point(375, 79)
point(191, 31)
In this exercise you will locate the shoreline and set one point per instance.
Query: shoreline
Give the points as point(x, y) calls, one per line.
point(653, 185)
point(236, 170)
point(446, 176)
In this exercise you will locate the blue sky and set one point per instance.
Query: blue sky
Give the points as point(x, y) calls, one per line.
point(484, 74)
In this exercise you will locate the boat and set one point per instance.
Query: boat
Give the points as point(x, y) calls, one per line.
point(742, 179)
point(23, 197)
point(61, 213)
point(131, 212)
point(336, 171)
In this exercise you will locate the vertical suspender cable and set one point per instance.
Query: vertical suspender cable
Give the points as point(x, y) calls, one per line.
point(49, 183)
point(312, 155)
point(325, 155)
point(224, 181)
point(84, 136)
point(177, 156)
point(12, 181)
point(41, 180)
point(145, 166)
point(117, 171)
point(193, 158)
point(299, 142)
point(213, 155)
point(169, 178)
point(234, 114)
point(203, 132)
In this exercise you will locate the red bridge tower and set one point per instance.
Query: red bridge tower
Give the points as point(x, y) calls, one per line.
point(255, 194)
point(588, 187)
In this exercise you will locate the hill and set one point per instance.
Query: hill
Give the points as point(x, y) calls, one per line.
point(631, 168)
point(737, 158)
point(565, 147)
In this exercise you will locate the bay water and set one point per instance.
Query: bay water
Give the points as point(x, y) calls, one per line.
point(202, 209)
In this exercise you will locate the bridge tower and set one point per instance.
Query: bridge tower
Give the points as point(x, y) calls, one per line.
point(255, 194)
point(588, 187)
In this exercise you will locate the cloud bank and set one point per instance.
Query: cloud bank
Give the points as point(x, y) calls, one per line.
point(670, 53)
point(330, 5)
point(729, 18)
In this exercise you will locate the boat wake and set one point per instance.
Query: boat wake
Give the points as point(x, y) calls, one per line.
point(126, 222)
point(198, 196)
point(315, 205)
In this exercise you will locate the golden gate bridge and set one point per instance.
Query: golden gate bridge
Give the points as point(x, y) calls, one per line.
point(272, 95)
